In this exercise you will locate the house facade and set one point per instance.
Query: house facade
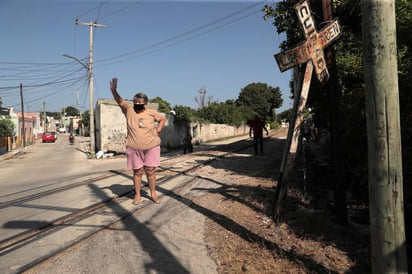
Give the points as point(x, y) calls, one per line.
point(29, 128)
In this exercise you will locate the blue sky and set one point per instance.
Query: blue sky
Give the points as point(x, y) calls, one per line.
point(168, 49)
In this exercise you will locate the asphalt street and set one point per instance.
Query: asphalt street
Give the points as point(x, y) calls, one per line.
point(161, 238)
point(157, 238)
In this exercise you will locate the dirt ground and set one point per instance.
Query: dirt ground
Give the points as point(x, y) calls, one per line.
point(243, 238)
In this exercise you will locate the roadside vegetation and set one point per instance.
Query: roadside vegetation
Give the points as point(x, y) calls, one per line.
point(6, 127)
point(254, 99)
point(349, 114)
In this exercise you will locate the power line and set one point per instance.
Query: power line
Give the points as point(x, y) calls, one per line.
point(40, 80)
point(190, 33)
point(43, 84)
point(98, 7)
point(121, 9)
point(37, 75)
point(56, 92)
point(21, 68)
point(51, 75)
point(92, 9)
point(39, 88)
point(172, 44)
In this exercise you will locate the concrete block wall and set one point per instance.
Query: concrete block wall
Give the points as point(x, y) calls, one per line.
point(111, 129)
point(208, 132)
point(110, 126)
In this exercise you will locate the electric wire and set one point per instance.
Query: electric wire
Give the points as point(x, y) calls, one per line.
point(58, 91)
point(190, 33)
point(39, 90)
point(120, 10)
point(91, 10)
point(152, 49)
point(100, 9)
point(38, 73)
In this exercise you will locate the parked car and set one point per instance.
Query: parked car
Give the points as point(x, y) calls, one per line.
point(48, 136)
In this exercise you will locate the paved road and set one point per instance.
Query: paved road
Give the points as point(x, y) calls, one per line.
point(165, 238)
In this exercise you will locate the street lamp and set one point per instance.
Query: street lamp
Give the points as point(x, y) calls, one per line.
point(74, 58)
point(90, 69)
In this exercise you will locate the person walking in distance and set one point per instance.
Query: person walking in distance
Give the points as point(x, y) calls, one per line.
point(257, 127)
point(187, 142)
point(142, 141)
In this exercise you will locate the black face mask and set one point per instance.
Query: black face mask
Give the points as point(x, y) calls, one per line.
point(138, 107)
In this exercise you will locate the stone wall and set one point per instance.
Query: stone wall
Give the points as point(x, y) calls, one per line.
point(111, 129)
point(110, 126)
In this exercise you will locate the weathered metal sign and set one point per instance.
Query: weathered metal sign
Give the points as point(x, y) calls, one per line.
point(312, 48)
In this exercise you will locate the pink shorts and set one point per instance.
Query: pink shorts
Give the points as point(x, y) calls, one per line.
point(138, 158)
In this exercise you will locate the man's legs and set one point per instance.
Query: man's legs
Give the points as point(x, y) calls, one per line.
point(137, 181)
point(151, 178)
point(255, 144)
point(261, 144)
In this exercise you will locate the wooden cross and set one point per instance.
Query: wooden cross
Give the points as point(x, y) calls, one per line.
point(310, 52)
point(312, 48)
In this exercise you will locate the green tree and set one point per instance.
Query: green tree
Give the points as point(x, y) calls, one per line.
point(71, 111)
point(261, 99)
point(183, 113)
point(55, 115)
point(86, 118)
point(222, 113)
point(235, 115)
point(349, 63)
point(286, 115)
point(164, 106)
point(6, 128)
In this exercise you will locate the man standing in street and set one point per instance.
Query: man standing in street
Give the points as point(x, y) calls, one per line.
point(257, 127)
point(142, 141)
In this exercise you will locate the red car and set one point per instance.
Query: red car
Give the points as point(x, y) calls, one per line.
point(48, 137)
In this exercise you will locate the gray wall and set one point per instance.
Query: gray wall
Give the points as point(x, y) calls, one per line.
point(111, 129)
point(110, 126)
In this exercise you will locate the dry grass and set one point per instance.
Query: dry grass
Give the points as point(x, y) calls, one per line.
point(242, 237)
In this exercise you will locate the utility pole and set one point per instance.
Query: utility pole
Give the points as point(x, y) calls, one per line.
point(23, 129)
point(44, 116)
point(91, 25)
point(386, 204)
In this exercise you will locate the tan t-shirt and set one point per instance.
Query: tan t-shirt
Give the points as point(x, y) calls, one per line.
point(141, 131)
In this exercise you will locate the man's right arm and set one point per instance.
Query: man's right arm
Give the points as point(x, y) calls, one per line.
point(113, 89)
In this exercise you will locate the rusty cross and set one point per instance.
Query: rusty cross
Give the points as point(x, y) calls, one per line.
point(312, 48)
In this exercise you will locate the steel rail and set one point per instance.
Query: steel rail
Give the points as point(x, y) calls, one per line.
point(28, 236)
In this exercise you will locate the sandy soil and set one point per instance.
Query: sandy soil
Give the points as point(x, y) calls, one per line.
point(243, 238)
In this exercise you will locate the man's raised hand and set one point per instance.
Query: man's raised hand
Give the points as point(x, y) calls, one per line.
point(113, 84)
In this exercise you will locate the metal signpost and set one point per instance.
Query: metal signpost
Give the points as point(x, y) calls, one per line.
point(311, 53)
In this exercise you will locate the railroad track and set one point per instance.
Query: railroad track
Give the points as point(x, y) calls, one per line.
point(171, 169)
